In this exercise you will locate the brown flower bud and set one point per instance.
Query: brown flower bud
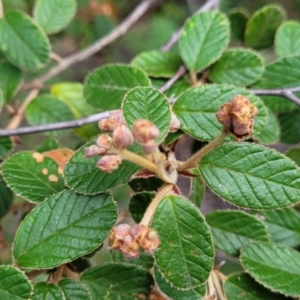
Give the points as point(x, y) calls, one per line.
point(175, 123)
point(149, 147)
point(108, 125)
point(146, 237)
point(130, 248)
point(144, 130)
point(93, 150)
point(118, 234)
point(104, 142)
point(109, 163)
point(122, 137)
point(237, 116)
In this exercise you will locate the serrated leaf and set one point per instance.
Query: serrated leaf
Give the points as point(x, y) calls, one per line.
point(238, 19)
point(174, 293)
point(157, 63)
point(6, 198)
point(185, 254)
point(275, 267)
point(294, 154)
point(145, 260)
point(197, 190)
point(73, 289)
point(204, 38)
point(54, 15)
point(48, 145)
point(150, 184)
point(262, 26)
point(197, 107)
point(48, 291)
point(14, 285)
point(283, 226)
point(279, 104)
point(242, 286)
point(117, 281)
point(6, 146)
point(231, 230)
point(82, 174)
point(105, 88)
point(23, 42)
point(290, 127)
point(147, 103)
point(63, 228)
point(32, 175)
point(287, 41)
point(240, 67)
point(270, 134)
point(138, 205)
point(47, 109)
point(251, 176)
point(10, 80)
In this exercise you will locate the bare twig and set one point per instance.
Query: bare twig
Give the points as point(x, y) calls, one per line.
point(55, 57)
point(210, 4)
point(288, 93)
point(77, 57)
point(181, 71)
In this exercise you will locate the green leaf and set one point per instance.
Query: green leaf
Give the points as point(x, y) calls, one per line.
point(242, 286)
point(240, 67)
point(54, 15)
point(157, 63)
point(10, 80)
point(275, 267)
point(287, 41)
point(270, 134)
point(117, 281)
point(138, 205)
point(262, 26)
point(145, 260)
point(174, 293)
point(150, 184)
point(172, 137)
point(231, 230)
point(65, 226)
point(147, 103)
point(48, 145)
point(73, 289)
point(204, 38)
point(251, 176)
point(6, 198)
point(185, 254)
point(1, 99)
point(47, 291)
point(294, 154)
point(197, 107)
point(105, 88)
point(14, 284)
point(23, 42)
point(283, 226)
point(290, 127)
point(284, 73)
point(279, 104)
point(197, 190)
point(32, 175)
point(47, 109)
point(6, 146)
point(238, 19)
point(82, 174)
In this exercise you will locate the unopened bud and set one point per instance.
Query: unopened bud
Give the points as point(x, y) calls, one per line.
point(104, 142)
point(117, 236)
point(108, 125)
point(223, 115)
point(117, 116)
point(122, 137)
point(146, 237)
point(130, 247)
point(93, 150)
point(109, 163)
point(149, 147)
point(144, 130)
point(175, 123)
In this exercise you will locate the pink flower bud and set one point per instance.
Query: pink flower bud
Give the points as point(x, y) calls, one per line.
point(149, 147)
point(122, 137)
point(117, 116)
point(108, 125)
point(93, 150)
point(146, 237)
point(144, 130)
point(109, 163)
point(175, 123)
point(104, 142)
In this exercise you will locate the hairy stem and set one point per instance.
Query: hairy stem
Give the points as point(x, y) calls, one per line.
point(162, 193)
point(218, 286)
point(193, 79)
point(69, 273)
point(194, 160)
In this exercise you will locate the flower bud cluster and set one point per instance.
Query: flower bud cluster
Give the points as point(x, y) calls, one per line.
point(130, 240)
point(237, 116)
